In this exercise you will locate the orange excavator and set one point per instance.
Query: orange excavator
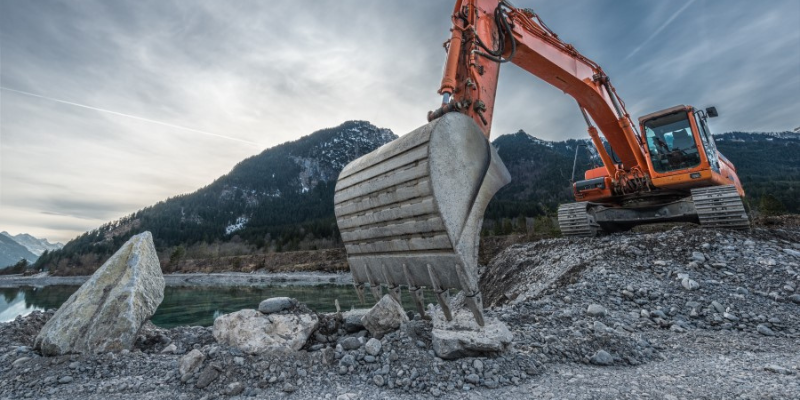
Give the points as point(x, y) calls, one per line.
point(410, 213)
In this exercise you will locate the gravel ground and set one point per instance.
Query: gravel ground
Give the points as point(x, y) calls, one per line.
point(679, 314)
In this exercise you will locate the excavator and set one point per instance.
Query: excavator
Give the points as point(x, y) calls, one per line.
point(410, 213)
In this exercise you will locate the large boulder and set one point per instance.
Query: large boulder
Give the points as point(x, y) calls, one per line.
point(107, 311)
point(463, 337)
point(253, 332)
point(384, 317)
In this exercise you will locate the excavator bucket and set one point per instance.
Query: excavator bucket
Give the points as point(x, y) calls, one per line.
point(410, 213)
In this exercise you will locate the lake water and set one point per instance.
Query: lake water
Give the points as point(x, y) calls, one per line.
point(193, 305)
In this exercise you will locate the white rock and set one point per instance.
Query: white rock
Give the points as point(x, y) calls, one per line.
point(596, 309)
point(170, 349)
point(373, 347)
point(106, 312)
point(254, 332)
point(386, 316)
point(190, 363)
point(689, 284)
point(276, 304)
point(463, 337)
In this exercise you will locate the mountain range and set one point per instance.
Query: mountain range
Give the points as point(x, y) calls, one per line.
point(23, 245)
point(282, 199)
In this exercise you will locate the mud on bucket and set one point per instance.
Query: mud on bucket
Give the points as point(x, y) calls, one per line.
point(410, 213)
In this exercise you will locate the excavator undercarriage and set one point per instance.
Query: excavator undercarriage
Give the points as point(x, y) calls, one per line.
point(711, 207)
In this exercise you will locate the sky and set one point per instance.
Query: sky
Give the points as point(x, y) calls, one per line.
point(107, 107)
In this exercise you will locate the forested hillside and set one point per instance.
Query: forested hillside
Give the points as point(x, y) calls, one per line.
point(276, 200)
point(282, 199)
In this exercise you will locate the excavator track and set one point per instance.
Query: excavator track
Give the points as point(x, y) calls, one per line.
point(574, 220)
point(720, 207)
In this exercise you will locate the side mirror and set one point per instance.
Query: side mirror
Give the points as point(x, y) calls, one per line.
point(712, 112)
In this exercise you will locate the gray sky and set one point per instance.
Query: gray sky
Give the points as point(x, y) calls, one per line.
point(111, 106)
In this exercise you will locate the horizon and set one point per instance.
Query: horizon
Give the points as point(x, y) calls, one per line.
point(106, 108)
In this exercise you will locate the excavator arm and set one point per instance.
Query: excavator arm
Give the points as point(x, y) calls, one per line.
point(487, 33)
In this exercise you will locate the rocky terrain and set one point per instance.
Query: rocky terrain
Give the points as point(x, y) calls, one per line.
point(672, 313)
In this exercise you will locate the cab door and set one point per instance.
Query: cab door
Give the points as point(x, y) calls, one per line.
point(708, 142)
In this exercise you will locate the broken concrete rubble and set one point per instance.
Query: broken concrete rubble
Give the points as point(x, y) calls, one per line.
point(253, 332)
point(463, 337)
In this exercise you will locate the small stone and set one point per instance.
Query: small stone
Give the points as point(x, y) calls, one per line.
point(347, 396)
point(170, 349)
point(378, 379)
point(20, 361)
point(765, 330)
point(350, 343)
point(207, 375)
point(717, 306)
point(384, 317)
point(276, 304)
point(369, 359)
point(795, 298)
point(778, 370)
point(730, 317)
point(478, 365)
point(190, 363)
point(347, 360)
point(792, 252)
point(373, 347)
point(288, 388)
point(65, 379)
point(596, 309)
point(472, 378)
point(742, 291)
point(698, 256)
point(689, 284)
point(602, 358)
point(599, 327)
point(234, 389)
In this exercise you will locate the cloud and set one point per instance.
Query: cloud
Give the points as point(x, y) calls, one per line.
point(660, 28)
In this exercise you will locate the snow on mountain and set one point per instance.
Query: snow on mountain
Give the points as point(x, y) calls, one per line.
point(34, 245)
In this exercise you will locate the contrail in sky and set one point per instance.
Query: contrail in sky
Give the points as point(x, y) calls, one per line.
point(132, 116)
point(660, 28)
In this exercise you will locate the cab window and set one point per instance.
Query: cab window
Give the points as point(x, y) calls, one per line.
point(671, 143)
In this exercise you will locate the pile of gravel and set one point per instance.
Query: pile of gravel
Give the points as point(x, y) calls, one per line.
point(588, 316)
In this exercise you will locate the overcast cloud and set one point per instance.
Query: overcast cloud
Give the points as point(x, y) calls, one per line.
point(110, 106)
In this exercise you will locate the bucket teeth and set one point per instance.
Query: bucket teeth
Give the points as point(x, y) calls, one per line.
point(442, 295)
point(475, 304)
point(374, 286)
point(419, 300)
point(416, 292)
point(360, 292)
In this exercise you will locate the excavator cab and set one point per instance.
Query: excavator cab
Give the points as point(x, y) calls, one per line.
point(671, 142)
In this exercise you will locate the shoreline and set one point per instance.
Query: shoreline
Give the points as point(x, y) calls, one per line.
point(197, 279)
